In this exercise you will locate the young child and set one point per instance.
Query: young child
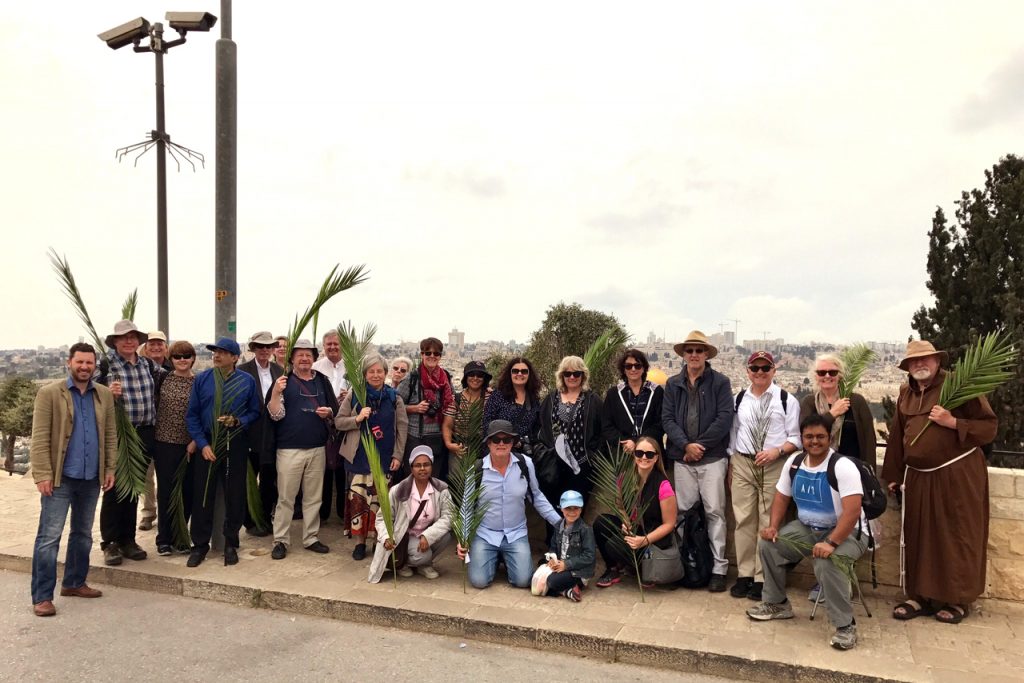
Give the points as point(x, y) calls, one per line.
point(572, 557)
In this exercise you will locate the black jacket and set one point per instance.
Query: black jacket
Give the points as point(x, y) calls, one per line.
point(617, 421)
point(716, 415)
point(261, 432)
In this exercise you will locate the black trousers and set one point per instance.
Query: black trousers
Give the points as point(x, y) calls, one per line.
point(607, 528)
point(266, 476)
point(334, 482)
point(559, 582)
point(166, 458)
point(230, 474)
point(118, 518)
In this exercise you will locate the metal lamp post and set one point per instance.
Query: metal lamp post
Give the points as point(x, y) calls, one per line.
point(133, 33)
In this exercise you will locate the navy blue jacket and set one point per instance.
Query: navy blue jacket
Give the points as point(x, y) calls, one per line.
point(716, 414)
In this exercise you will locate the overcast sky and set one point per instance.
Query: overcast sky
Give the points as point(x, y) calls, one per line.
point(675, 164)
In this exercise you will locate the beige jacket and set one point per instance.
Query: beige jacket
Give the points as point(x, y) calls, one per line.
point(52, 421)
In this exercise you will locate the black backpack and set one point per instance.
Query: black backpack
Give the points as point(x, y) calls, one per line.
point(695, 548)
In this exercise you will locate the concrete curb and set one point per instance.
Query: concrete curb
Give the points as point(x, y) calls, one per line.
point(495, 629)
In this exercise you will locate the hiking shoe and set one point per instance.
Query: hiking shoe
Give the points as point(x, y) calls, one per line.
point(146, 524)
point(279, 551)
point(844, 638)
point(111, 555)
point(574, 594)
point(428, 572)
point(717, 583)
point(405, 572)
point(815, 593)
point(755, 591)
point(133, 551)
point(164, 550)
point(609, 578)
point(318, 547)
point(766, 611)
point(741, 587)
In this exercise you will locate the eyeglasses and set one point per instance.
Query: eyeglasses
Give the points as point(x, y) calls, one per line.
point(520, 371)
point(830, 373)
point(760, 368)
point(573, 373)
point(428, 354)
point(501, 439)
point(645, 455)
point(478, 375)
point(694, 350)
point(422, 465)
point(181, 356)
point(632, 366)
point(399, 368)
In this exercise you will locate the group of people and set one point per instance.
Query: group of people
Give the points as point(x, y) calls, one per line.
point(303, 433)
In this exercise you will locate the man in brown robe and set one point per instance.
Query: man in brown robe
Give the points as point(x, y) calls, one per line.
point(945, 499)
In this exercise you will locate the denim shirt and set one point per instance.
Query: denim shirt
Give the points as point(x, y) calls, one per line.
point(82, 459)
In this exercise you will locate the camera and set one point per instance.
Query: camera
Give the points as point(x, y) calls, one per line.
point(435, 406)
point(377, 432)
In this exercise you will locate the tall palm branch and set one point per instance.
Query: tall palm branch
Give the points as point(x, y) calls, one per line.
point(226, 391)
point(984, 366)
point(599, 354)
point(756, 432)
point(463, 484)
point(131, 302)
point(856, 358)
point(132, 465)
point(335, 283)
point(617, 488)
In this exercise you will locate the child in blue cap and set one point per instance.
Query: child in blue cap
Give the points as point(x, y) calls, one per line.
point(573, 556)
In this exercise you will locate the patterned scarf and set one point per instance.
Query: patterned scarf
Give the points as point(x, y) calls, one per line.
point(821, 404)
point(434, 382)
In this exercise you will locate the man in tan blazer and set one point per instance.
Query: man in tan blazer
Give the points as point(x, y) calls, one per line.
point(73, 455)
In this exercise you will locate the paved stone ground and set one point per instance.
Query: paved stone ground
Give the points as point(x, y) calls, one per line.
point(683, 630)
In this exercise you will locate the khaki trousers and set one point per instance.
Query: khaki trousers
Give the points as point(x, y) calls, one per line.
point(751, 510)
point(299, 467)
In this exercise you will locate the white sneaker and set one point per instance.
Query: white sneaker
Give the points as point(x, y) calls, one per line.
point(405, 572)
point(429, 572)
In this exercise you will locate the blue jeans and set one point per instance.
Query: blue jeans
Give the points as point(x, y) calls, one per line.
point(80, 495)
point(483, 562)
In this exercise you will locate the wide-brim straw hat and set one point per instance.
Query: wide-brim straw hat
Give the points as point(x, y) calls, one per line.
point(921, 349)
point(696, 337)
point(123, 327)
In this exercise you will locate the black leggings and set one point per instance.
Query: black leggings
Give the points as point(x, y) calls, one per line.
point(559, 582)
point(614, 554)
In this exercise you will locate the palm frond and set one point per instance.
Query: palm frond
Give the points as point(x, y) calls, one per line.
point(179, 523)
point(334, 284)
point(131, 466)
point(252, 498)
point(129, 305)
point(617, 488)
point(353, 350)
point(856, 358)
point(67, 281)
point(983, 367)
point(469, 509)
point(846, 564)
point(604, 347)
point(226, 392)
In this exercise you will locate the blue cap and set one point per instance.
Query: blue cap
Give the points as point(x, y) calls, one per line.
point(226, 344)
point(571, 499)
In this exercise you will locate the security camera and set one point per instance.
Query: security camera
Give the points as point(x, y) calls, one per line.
point(126, 34)
point(191, 21)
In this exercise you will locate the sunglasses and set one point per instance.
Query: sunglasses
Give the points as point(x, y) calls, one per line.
point(520, 371)
point(181, 356)
point(502, 439)
point(399, 368)
point(478, 375)
point(645, 455)
point(694, 350)
point(428, 354)
point(632, 366)
point(830, 373)
point(760, 368)
point(573, 373)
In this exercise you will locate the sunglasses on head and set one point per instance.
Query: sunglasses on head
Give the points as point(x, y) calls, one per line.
point(573, 373)
point(830, 373)
point(181, 356)
point(693, 350)
point(520, 371)
point(760, 368)
point(632, 366)
point(502, 439)
point(646, 455)
point(436, 354)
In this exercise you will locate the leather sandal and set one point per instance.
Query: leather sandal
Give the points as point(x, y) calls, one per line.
point(912, 609)
point(957, 613)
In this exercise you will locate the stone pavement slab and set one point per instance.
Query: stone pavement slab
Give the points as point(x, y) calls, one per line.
point(679, 629)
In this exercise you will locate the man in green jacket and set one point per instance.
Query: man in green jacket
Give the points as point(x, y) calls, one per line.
point(73, 455)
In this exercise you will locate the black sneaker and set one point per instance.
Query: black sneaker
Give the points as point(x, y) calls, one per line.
point(609, 578)
point(741, 587)
point(755, 591)
point(318, 547)
point(360, 552)
point(279, 551)
point(196, 557)
point(717, 583)
point(164, 550)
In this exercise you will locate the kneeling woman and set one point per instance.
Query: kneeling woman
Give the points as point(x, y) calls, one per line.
point(423, 516)
point(655, 526)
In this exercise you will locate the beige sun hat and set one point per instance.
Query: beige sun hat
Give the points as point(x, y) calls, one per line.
point(123, 327)
point(696, 337)
point(262, 338)
point(157, 336)
point(920, 349)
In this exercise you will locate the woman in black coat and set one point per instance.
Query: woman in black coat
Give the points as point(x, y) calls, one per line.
point(632, 408)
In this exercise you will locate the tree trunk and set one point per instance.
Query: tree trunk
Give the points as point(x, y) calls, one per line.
point(8, 451)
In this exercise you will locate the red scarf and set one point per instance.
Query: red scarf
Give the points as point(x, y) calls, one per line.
point(431, 385)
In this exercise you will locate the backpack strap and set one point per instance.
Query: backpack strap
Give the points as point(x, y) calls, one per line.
point(796, 465)
point(784, 395)
point(525, 473)
point(739, 400)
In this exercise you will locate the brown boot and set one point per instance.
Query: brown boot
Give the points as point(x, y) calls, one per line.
point(82, 591)
point(44, 608)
